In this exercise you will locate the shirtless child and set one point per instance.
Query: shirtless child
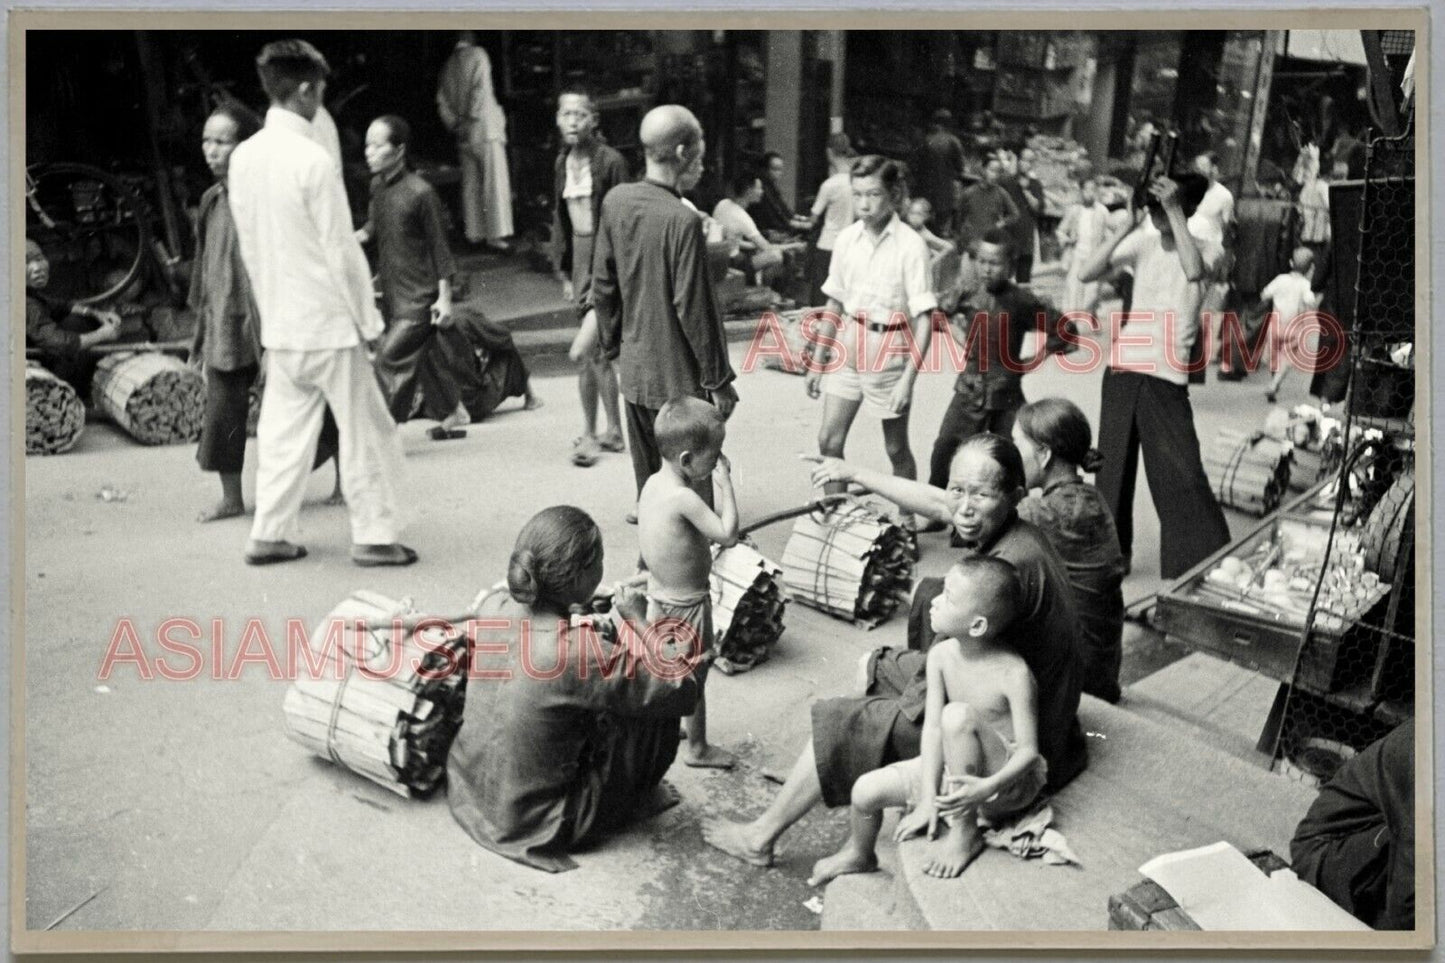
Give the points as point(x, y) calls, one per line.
point(674, 529)
point(980, 734)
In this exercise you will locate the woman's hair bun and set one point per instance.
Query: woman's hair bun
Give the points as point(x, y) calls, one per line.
point(1092, 461)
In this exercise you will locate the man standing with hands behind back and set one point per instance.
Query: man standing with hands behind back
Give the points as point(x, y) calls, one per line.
point(314, 296)
point(656, 312)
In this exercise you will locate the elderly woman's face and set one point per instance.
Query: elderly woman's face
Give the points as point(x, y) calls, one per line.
point(981, 499)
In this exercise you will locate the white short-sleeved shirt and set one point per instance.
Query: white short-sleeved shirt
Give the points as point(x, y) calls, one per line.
point(882, 275)
point(835, 203)
point(738, 223)
point(1160, 287)
point(1291, 296)
point(1214, 213)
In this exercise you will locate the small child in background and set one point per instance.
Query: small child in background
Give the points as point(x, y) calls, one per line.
point(940, 251)
point(979, 753)
point(1081, 233)
point(675, 529)
point(1288, 296)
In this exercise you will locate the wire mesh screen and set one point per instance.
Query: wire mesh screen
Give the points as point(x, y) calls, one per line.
point(1354, 674)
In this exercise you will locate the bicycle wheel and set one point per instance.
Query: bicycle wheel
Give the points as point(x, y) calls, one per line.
point(90, 226)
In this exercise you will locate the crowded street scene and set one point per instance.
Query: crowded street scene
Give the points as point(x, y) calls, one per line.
point(720, 480)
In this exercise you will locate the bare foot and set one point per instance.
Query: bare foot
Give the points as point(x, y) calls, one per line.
point(732, 838)
point(221, 510)
point(707, 757)
point(949, 856)
point(336, 498)
point(664, 797)
point(844, 861)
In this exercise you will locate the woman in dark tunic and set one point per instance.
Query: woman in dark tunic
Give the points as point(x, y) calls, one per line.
point(857, 734)
point(1054, 439)
point(559, 742)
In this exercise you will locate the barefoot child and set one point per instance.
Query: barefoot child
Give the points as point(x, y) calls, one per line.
point(674, 529)
point(1290, 295)
point(980, 752)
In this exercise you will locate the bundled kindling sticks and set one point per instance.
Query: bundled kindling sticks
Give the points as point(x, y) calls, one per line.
point(851, 562)
point(153, 396)
point(747, 607)
point(54, 413)
point(391, 708)
point(1248, 470)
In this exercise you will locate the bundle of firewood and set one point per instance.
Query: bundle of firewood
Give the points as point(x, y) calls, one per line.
point(1248, 470)
point(390, 708)
point(791, 323)
point(747, 607)
point(850, 561)
point(153, 396)
point(54, 413)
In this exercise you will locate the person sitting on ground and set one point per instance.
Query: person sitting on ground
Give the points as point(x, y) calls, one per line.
point(675, 529)
point(751, 250)
point(1288, 296)
point(980, 754)
point(60, 348)
point(1054, 438)
point(772, 211)
point(547, 761)
point(856, 734)
point(415, 268)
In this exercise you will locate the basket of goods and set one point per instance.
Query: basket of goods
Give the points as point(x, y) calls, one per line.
point(382, 704)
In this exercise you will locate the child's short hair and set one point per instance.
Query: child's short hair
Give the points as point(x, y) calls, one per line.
point(1000, 592)
point(687, 424)
point(1302, 259)
point(890, 172)
point(400, 135)
point(1192, 188)
point(552, 551)
point(999, 238)
point(284, 65)
point(579, 88)
point(742, 182)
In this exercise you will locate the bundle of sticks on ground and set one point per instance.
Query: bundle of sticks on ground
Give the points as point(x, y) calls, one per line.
point(392, 707)
point(850, 561)
point(154, 397)
point(54, 413)
point(747, 607)
point(1248, 471)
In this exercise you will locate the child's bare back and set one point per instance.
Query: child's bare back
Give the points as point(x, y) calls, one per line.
point(677, 554)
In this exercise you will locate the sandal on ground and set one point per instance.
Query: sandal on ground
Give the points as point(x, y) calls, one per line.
point(371, 556)
point(584, 452)
point(612, 441)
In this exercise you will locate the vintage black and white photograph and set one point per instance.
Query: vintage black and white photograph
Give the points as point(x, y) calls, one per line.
point(927, 482)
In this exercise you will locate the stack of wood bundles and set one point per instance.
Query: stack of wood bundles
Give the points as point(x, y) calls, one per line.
point(851, 562)
point(153, 396)
point(54, 413)
point(747, 607)
point(791, 323)
point(1247, 470)
point(392, 710)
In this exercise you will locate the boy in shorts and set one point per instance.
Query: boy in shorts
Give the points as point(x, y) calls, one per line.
point(980, 754)
point(675, 529)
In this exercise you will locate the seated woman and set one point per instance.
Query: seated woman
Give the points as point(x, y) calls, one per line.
point(750, 249)
point(853, 735)
point(559, 743)
point(1054, 438)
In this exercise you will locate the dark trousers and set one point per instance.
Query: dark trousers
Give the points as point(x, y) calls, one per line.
point(818, 263)
point(965, 417)
point(403, 362)
point(223, 434)
point(1142, 411)
point(642, 444)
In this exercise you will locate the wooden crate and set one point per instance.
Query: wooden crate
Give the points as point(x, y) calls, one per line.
point(1148, 906)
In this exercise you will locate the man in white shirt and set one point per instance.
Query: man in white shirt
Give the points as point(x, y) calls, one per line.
point(314, 295)
point(467, 103)
point(760, 254)
point(1213, 221)
point(1145, 395)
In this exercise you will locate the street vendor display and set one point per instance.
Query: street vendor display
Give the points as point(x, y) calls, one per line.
point(1248, 471)
point(54, 413)
point(392, 710)
point(155, 397)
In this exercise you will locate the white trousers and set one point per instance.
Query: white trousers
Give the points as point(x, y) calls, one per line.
point(486, 190)
point(299, 386)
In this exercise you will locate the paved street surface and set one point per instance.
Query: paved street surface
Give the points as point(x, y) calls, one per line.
point(182, 805)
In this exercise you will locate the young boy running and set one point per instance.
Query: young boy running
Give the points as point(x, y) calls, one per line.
point(980, 754)
point(674, 529)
